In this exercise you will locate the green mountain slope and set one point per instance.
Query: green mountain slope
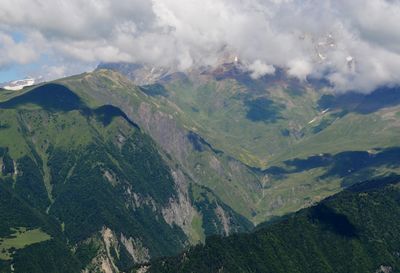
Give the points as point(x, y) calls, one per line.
point(232, 181)
point(80, 177)
point(354, 231)
point(260, 121)
point(274, 118)
point(267, 122)
point(229, 132)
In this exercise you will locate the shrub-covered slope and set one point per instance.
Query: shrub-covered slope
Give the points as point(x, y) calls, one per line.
point(83, 187)
point(354, 231)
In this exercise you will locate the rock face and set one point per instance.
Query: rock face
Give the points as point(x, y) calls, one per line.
point(137, 73)
point(135, 248)
point(224, 220)
point(111, 249)
point(180, 210)
point(110, 241)
point(164, 131)
point(384, 269)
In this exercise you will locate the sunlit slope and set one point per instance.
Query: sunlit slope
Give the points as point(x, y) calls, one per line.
point(276, 118)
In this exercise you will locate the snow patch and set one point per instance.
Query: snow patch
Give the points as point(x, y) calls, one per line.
point(313, 120)
point(20, 84)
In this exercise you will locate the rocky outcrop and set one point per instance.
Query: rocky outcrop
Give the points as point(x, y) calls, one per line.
point(136, 200)
point(180, 211)
point(110, 249)
point(135, 248)
point(103, 261)
point(163, 129)
point(384, 269)
point(224, 219)
point(110, 241)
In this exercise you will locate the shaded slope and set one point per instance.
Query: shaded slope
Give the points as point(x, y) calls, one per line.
point(15, 212)
point(51, 97)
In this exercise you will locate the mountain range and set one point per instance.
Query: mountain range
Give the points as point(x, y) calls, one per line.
point(127, 164)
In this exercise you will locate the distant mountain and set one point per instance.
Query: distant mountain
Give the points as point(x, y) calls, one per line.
point(139, 74)
point(20, 84)
point(354, 231)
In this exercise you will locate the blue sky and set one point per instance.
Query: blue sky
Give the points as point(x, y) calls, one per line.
point(15, 72)
point(45, 64)
point(9, 74)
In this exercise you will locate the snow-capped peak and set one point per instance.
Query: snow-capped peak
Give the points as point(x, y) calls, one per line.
point(20, 84)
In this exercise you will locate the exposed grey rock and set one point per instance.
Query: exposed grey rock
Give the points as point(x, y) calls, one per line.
point(135, 248)
point(180, 211)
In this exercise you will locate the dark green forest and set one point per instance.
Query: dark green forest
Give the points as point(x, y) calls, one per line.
point(357, 230)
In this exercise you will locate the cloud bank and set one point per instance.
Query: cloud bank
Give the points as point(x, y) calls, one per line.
point(353, 44)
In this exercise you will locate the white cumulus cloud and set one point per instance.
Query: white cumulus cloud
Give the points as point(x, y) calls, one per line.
point(306, 37)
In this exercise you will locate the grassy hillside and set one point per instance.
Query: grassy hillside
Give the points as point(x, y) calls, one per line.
point(354, 231)
point(252, 120)
point(277, 118)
